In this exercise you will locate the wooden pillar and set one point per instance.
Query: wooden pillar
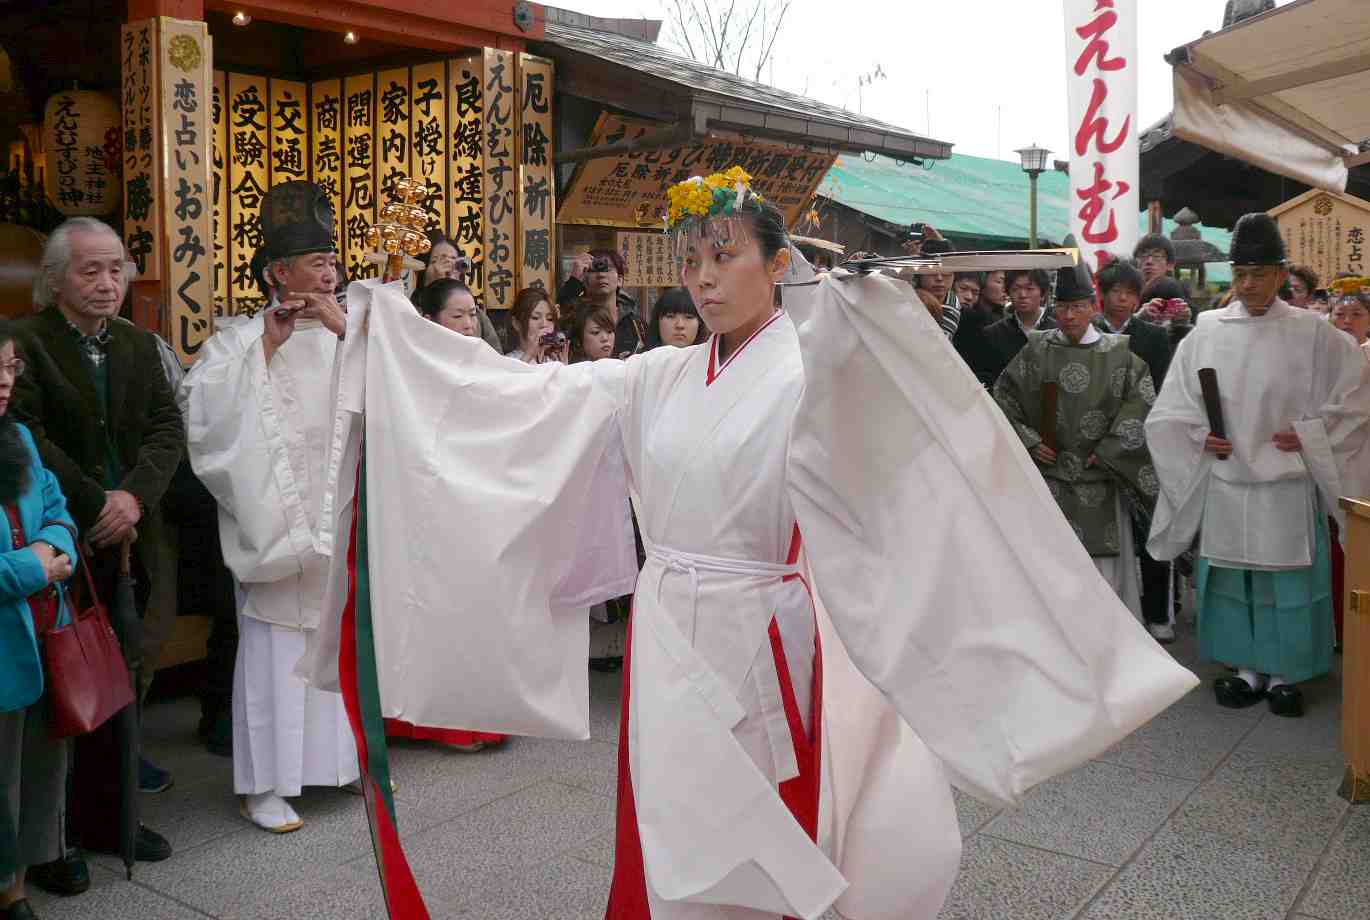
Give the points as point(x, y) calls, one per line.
point(1355, 709)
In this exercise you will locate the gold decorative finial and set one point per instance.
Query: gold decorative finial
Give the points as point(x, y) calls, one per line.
point(400, 230)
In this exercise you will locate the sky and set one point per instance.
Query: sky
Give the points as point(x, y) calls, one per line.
point(985, 75)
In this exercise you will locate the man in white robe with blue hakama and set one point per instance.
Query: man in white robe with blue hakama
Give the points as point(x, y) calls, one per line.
point(1295, 400)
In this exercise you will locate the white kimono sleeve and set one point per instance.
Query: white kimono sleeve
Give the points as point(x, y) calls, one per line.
point(236, 440)
point(1336, 439)
point(494, 518)
point(1176, 429)
point(955, 584)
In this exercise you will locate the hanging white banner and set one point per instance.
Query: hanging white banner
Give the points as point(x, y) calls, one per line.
point(1101, 74)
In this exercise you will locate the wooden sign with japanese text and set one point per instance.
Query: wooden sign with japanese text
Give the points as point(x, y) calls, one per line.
point(139, 58)
point(648, 258)
point(189, 267)
point(1326, 231)
point(248, 176)
point(218, 192)
point(289, 132)
point(537, 187)
point(466, 164)
point(392, 129)
point(630, 190)
point(428, 137)
point(501, 178)
point(359, 173)
point(325, 145)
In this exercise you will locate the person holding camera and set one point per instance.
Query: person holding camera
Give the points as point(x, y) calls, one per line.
point(443, 260)
point(533, 319)
point(597, 278)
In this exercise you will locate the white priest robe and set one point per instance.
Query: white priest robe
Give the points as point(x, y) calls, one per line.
point(259, 441)
point(849, 420)
point(1256, 510)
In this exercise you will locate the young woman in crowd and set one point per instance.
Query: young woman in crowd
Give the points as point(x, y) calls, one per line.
point(441, 261)
point(675, 321)
point(33, 766)
point(449, 303)
point(831, 443)
point(592, 334)
point(1303, 281)
point(533, 320)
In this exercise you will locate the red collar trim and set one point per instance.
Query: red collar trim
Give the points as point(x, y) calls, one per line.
point(716, 369)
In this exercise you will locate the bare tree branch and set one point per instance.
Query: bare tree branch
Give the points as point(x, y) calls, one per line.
point(775, 33)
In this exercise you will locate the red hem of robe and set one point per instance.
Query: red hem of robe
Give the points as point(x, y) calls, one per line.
point(398, 728)
point(628, 892)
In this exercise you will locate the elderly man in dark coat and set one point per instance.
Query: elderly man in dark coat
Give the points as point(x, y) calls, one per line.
point(102, 413)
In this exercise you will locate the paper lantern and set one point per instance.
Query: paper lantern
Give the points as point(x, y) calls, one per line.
point(81, 136)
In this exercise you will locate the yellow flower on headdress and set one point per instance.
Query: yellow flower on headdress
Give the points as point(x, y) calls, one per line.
point(1352, 285)
point(707, 196)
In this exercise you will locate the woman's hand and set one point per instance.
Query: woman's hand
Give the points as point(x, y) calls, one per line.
point(542, 354)
point(580, 265)
point(56, 564)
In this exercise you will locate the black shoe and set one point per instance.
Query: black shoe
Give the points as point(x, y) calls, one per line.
point(1235, 693)
point(218, 736)
point(150, 846)
point(152, 778)
point(1285, 700)
point(66, 876)
point(19, 910)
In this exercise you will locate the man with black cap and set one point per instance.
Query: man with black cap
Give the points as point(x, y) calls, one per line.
point(1090, 444)
point(1254, 466)
point(259, 416)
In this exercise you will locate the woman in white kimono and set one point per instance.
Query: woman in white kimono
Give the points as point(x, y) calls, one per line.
point(839, 445)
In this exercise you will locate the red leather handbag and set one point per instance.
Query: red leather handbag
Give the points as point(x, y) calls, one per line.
point(88, 680)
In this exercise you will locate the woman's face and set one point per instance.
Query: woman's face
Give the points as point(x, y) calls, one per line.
point(1352, 317)
point(11, 366)
point(730, 281)
point(1298, 292)
point(459, 313)
point(442, 263)
point(678, 329)
point(540, 322)
point(597, 341)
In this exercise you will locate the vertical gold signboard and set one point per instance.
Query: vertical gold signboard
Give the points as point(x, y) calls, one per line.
point(139, 57)
point(392, 128)
point(218, 191)
point(501, 178)
point(359, 173)
point(289, 132)
point(428, 137)
point(185, 93)
point(466, 164)
point(537, 198)
point(325, 145)
point(248, 114)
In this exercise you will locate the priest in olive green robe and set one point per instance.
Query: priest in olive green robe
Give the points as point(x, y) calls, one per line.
point(1099, 470)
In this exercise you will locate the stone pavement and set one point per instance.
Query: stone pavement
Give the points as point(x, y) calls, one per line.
point(1205, 814)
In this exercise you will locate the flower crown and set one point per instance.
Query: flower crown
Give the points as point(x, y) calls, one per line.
point(699, 198)
point(1346, 287)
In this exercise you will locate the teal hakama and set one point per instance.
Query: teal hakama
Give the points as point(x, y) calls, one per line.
point(1273, 622)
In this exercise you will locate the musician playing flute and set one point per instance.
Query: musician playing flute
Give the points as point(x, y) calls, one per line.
point(1294, 400)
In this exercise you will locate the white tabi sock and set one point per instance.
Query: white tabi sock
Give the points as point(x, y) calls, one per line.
point(1253, 680)
point(1276, 681)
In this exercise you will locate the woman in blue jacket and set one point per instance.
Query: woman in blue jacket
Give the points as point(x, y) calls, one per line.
point(39, 553)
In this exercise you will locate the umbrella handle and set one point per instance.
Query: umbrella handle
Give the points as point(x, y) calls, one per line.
point(125, 553)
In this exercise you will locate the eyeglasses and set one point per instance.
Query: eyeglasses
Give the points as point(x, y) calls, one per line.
point(1083, 306)
point(14, 368)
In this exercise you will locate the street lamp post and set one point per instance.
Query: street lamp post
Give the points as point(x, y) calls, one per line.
point(1034, 164)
